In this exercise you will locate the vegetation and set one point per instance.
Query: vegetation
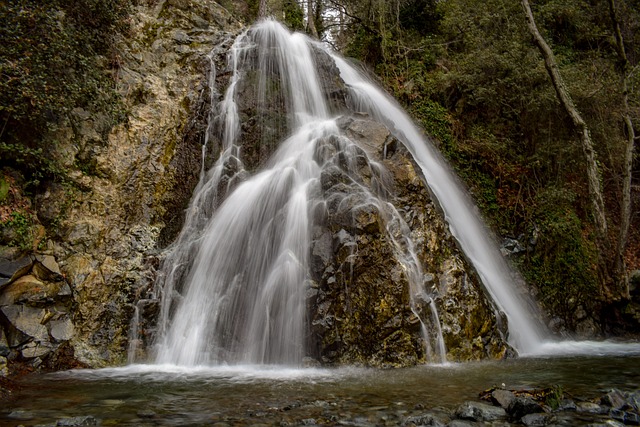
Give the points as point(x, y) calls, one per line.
point(55, 56)
point(470, 73)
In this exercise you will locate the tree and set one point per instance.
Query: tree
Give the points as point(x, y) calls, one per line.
point(311, 19)
point(625, 209)
point(594, 175)
point(262, 9)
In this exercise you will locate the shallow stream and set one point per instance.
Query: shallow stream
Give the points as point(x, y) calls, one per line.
point(168, 395)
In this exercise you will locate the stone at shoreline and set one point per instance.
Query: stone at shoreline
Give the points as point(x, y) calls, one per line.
point(615, 399)
point(503, 398)
point(77, 421)
point(536, 420)
point(477, 411)
point(591, 408)
point(521, 406)
point(427, 419)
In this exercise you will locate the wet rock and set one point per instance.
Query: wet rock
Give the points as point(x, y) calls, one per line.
point(537, 420)
point(46, 268)
point(77, 421)
point(504, 398)
point(567, 405)
point(522, 406)
point(34, 350)
point(629, 418)
point(477, 411)
point(511, 247)
point(591, 408)
point(615, 399)
point(425, 420)
point(633, 401)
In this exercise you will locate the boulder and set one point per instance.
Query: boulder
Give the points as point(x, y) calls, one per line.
point(504, 398)
point(523, 405)
point(480, 412)
point(615, 399)
point(537, 420)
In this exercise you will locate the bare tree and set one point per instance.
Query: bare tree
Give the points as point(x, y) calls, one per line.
point(311, 23)
point(593, 170)
point(625, 209)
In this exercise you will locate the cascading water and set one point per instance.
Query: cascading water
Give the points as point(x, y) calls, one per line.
point(234, 284)
point(526, 332)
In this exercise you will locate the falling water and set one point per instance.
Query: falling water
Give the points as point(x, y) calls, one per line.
point(234, 284)
point(505, 287)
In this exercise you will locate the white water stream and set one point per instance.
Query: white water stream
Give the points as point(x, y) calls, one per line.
point(233, 285)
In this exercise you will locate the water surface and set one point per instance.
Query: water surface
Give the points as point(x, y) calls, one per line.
point(249, 395)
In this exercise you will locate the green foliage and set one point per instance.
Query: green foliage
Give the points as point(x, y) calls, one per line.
point(554, 397)
point(52, 60)
point(473, 79)
point(563, 264)
point(4, 189)
point(20, 227)
point(293, 15)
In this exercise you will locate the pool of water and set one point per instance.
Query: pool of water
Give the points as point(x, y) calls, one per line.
point(250, 395)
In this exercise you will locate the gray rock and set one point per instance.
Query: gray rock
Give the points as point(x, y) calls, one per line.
point(614, 399)
point(591, 408)
point(477, 411)
point(34, 350)
point(77, 421)
point(522, 406)
point(504, 398)
point(11, 269)
point(567, 405)
point(424, 420)
point(536, 420)
point(28, 321)
point(62, 329)
point(46, 268)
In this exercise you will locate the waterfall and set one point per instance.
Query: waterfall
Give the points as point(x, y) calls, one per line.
point(234, 284)
point(526, 332)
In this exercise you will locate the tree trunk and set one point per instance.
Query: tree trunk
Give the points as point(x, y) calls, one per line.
point(625, 208)
point(593, 171)
point(311, 22)
point(262, 9)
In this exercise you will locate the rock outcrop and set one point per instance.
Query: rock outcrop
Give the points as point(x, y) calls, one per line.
point(361, 304)
point(128, 187)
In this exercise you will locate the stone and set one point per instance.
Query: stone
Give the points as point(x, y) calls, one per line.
point(35, 349)
point(27, 289)
point(87, 420)
point(633, 401)
point(591, 408)
point(566, 405)
point(536, 420)
point(46, 268)
point(504, 398)
point(4, 345)
point(27, 320)
point(522, 406)
point(4, 371)
point(62, 329)
point(11, 269)
point(460, 423)
point(614, 399)
point(477, 411)
point(424, 420)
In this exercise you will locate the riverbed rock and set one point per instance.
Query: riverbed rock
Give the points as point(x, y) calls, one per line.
point(523, 405)
point(478, 411)
point(537, 420)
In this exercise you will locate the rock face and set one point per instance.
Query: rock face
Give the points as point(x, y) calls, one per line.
point(130, 183)
point(361, 304)
point(36, 307)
